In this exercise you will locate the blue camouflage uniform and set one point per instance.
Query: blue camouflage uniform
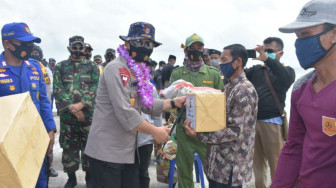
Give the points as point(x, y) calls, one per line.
point(31, 79)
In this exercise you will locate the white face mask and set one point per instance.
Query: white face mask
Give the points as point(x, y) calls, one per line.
point(161, 68)
point(214, 62)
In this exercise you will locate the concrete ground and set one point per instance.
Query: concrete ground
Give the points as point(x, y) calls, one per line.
point(57, 182)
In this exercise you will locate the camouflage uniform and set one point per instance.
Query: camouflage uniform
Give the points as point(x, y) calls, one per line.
point(75, 82)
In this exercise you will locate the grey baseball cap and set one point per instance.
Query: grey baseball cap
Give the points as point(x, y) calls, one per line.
point(313, 13)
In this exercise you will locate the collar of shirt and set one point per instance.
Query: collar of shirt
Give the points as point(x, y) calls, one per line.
point(202, 69)
point(237, 80)
point(4, 64)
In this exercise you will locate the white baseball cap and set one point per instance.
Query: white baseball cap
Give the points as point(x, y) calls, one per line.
point(313, 13)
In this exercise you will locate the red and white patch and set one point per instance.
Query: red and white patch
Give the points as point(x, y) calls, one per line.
point(4, 64)
point(124, 75)
point(2, 75)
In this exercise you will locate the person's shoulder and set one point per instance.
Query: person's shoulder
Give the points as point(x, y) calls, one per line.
point(178, 70)
point(212, 69)
point(116, 65)
point(61, 63)
point(255, 67)
point(34, 62)
point(303, 80)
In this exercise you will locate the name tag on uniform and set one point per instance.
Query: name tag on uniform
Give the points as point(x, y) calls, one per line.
point(207, 82)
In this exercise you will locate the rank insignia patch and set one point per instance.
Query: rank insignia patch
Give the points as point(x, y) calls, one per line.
point(2, 75)
point(12, 88)
point(124, 75)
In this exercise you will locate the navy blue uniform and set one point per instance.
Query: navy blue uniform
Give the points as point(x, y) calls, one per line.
point(29, 78)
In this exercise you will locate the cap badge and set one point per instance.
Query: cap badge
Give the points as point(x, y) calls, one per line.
point(26, 29)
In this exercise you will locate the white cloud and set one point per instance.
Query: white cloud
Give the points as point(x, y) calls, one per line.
point(219, 22)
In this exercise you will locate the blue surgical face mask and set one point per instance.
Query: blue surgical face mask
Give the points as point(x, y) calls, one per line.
point(227, 69)
point(271, 55)
point(309, 49)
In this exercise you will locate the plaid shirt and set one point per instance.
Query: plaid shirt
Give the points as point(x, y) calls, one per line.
point(232, 148)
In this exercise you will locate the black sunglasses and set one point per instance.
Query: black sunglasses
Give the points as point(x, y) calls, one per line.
point(139, 43)
point(77, 48)
point(270, 51)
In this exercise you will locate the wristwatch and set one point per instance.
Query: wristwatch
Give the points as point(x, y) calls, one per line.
point(172, 103)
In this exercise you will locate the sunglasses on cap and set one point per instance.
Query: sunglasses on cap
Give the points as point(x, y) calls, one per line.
point(77, 48)
point(140, 43)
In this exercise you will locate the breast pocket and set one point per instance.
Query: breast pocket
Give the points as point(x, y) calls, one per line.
point(85, 82)
point(67, 81)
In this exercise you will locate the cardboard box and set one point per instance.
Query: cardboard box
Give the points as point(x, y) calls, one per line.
point(23, 141)
point(207, 111)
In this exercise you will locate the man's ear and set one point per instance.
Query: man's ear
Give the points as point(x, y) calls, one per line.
point(240, 62)
point(281, 53)
point(185, 52)
point(8, 45)
point(127, 45)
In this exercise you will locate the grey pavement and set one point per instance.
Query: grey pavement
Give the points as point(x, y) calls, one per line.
point(57, 182)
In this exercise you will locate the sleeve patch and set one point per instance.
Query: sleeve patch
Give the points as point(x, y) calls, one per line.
point(124, 75)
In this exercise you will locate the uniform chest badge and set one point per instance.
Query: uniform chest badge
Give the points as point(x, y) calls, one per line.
point(132, 99)
point(35, 72)
point(34, 85)
point(2, 70)
point(37, 95)
point(2, 75)
point(124, 75)
point(328, 126)
point(12, 88)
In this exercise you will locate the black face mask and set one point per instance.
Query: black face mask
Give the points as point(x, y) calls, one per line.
point(194, 55)
point(36, 57)
point(76, 54)
point(22, 52)
point(140, 54)
point(88, 56)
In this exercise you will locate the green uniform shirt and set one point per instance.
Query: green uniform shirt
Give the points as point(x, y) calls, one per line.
point(207, 76)
point(75, 82)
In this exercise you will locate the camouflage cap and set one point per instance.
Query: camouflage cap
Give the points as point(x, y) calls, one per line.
point(97, 57)
point(141, 30)
point(110, 50)
point(88, 46)
point(76, 39)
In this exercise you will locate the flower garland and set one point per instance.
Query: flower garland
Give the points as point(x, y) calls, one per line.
point(142, 76)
